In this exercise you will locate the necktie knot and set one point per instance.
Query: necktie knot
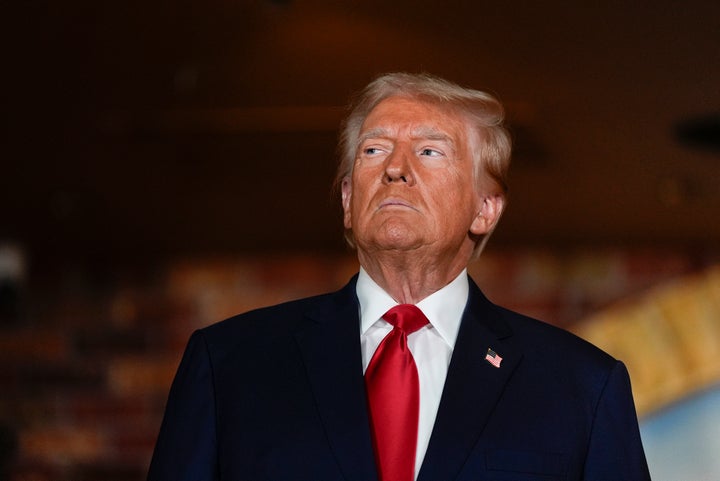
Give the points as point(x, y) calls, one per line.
point(406, 317)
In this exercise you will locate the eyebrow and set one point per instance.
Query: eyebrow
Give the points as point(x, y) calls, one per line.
point(429, 133)
point(371, 134)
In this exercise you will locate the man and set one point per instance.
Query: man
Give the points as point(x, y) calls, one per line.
point(408, 372)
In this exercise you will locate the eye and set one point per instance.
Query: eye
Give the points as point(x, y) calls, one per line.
point(371, 150)
point(431, 152)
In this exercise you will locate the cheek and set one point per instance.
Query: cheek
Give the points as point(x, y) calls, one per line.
point(357, 202)
point(361, 185)
point(454, 198)
point(451, 185)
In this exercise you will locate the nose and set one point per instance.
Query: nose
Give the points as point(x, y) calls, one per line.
point(398, 168)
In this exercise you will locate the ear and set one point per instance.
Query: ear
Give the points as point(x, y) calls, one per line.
point(346, 189)
point(491, 208)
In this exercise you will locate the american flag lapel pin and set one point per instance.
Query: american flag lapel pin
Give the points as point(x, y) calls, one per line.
point(493, 357)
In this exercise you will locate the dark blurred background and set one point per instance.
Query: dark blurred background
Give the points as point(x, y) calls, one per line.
point(139, 129)
point(169, 163)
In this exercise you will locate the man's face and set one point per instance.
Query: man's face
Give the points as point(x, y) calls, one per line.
point(413, 184)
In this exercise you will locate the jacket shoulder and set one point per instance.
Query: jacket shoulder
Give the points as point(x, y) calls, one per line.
point(541, 340)
point(265, 327)
point(553, 356)
point(264, 321)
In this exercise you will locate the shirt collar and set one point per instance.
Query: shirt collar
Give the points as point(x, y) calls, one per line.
point(443, 308)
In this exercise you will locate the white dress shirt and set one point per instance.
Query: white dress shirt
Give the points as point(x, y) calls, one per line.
point(431, 346)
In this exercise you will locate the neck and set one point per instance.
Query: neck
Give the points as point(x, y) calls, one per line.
point(410, 278)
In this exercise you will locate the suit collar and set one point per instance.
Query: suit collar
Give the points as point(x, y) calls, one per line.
point(329, 341)
point(330, 347)
point(487, 313)
point(472, 388)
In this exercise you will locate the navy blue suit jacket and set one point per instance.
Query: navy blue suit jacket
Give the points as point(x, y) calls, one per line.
point(278, 394)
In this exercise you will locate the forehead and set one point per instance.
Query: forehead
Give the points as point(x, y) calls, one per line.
point(415, 117)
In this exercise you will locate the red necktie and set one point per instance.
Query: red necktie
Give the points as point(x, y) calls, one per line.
point(394, 396)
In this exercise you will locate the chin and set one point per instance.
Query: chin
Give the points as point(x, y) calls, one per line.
point(398, 234)
point(397, 242)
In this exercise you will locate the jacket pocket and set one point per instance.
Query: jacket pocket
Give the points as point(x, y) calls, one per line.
point(526, 465)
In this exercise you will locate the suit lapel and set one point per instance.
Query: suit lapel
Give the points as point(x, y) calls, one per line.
point(472, 388)
point(330, 346)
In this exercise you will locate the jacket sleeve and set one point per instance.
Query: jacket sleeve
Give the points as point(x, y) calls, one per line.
point(186, 449)
point(615, 450)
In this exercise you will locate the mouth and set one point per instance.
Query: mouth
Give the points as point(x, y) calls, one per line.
point(395, 203)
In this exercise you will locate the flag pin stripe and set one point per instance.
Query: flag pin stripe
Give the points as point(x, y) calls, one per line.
point(493, 357)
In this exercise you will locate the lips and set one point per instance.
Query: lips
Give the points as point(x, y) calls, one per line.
point(395, 202)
